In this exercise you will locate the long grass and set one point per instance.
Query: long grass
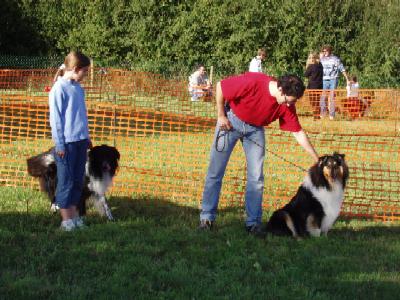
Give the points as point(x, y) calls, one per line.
point(153, 251)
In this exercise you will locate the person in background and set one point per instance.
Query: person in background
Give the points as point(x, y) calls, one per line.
point(70, 134)
point(332, 66)
point(245, 104)
point(255, 63)
point(356, 106)
point(314, 73)
point(199, 85)
point(352, 87)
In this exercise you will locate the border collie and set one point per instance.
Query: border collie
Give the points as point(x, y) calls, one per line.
point(101, 166)
point(317, 203)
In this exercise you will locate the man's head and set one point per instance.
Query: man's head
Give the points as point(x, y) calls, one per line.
point(326, 50)
point(201, 69)
point(291, 87)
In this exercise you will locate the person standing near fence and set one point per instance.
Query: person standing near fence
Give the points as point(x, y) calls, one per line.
point(332, 66)
point(314, 73)
point(256, 62)
point(245, 104)
point(199, 85)
point(70, 134)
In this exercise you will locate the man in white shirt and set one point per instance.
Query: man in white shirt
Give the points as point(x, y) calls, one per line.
point(255, 64)
point(199, 85)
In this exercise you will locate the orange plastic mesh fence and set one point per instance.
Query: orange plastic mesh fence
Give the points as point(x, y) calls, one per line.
point(164, 139)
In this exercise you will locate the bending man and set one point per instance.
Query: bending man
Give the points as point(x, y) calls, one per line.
point(245, 104)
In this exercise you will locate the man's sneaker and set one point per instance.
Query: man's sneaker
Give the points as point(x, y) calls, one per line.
point(206, 225)
point(67, 225)
point(256, 230)
point(78, 221)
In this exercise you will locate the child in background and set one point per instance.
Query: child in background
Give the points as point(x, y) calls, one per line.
point(70, 133)
point(255, 63)
point(352, 88)
point(356, 106)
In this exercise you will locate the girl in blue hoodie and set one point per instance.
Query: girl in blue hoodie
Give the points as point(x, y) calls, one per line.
point(70, 133)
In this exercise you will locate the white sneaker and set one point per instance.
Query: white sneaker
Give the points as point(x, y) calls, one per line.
point(78, 221)
point(67, 225)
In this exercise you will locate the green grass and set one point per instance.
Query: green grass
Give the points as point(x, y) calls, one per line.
point(153, 251)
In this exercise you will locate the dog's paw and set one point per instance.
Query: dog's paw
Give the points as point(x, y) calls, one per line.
point(54, 208)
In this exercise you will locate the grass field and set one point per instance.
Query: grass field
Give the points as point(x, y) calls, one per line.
point(153, 251)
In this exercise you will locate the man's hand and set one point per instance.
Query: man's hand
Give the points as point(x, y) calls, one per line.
point(303, 141)
point(224, 123)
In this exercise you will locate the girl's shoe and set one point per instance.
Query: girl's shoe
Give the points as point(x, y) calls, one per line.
point(78, 222)
point(67, 225)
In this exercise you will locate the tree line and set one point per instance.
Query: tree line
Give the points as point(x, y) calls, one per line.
point(172, 36)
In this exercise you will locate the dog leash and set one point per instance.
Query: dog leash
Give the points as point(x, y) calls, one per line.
point(225, 136)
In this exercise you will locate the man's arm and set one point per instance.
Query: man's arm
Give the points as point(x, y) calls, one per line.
point(303, 141)
point(223, 121)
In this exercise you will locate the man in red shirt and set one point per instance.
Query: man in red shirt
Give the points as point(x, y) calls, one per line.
point(245, 104)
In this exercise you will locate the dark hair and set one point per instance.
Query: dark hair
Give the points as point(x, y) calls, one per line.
point(198, 66)
point(291, 85)
point(327, 48)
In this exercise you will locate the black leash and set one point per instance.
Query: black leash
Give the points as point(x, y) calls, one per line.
point(225, 136)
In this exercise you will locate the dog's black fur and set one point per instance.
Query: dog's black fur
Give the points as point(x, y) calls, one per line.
point(316, 205)
point(101, 166)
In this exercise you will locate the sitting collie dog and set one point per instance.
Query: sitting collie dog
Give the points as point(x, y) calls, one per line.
point(101, 166)
point(317, 203)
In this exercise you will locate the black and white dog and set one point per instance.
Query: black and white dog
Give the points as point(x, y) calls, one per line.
point(101, 166)
point(317, 203)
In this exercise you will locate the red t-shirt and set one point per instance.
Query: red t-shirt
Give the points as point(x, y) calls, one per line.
point(249, 97)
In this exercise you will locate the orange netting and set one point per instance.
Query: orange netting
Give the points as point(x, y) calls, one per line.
point(164, 139)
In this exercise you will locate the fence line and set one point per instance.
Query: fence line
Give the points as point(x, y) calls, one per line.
point(164, 139)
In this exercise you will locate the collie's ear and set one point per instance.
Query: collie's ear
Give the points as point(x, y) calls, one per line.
point(339, 156)
point(322, 160)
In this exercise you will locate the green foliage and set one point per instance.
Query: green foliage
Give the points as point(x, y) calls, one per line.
point(173, 36)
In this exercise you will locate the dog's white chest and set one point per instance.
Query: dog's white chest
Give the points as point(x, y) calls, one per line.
point(100, 185)
point(331, 202)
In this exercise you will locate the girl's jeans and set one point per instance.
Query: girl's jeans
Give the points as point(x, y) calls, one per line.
point(328, 85)
point(253, 142)
point(70, 174)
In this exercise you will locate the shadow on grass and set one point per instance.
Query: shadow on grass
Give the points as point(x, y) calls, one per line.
point(153, 250)
point(155, 210)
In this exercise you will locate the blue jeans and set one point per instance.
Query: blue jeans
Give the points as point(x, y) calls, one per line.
point(253, 142)
point(331, 85)
point(70, 174)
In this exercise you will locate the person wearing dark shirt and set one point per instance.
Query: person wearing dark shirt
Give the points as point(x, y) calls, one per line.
point(314, 72)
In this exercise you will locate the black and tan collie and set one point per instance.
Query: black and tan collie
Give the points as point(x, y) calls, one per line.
point(317, 203)
point(101, 165)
